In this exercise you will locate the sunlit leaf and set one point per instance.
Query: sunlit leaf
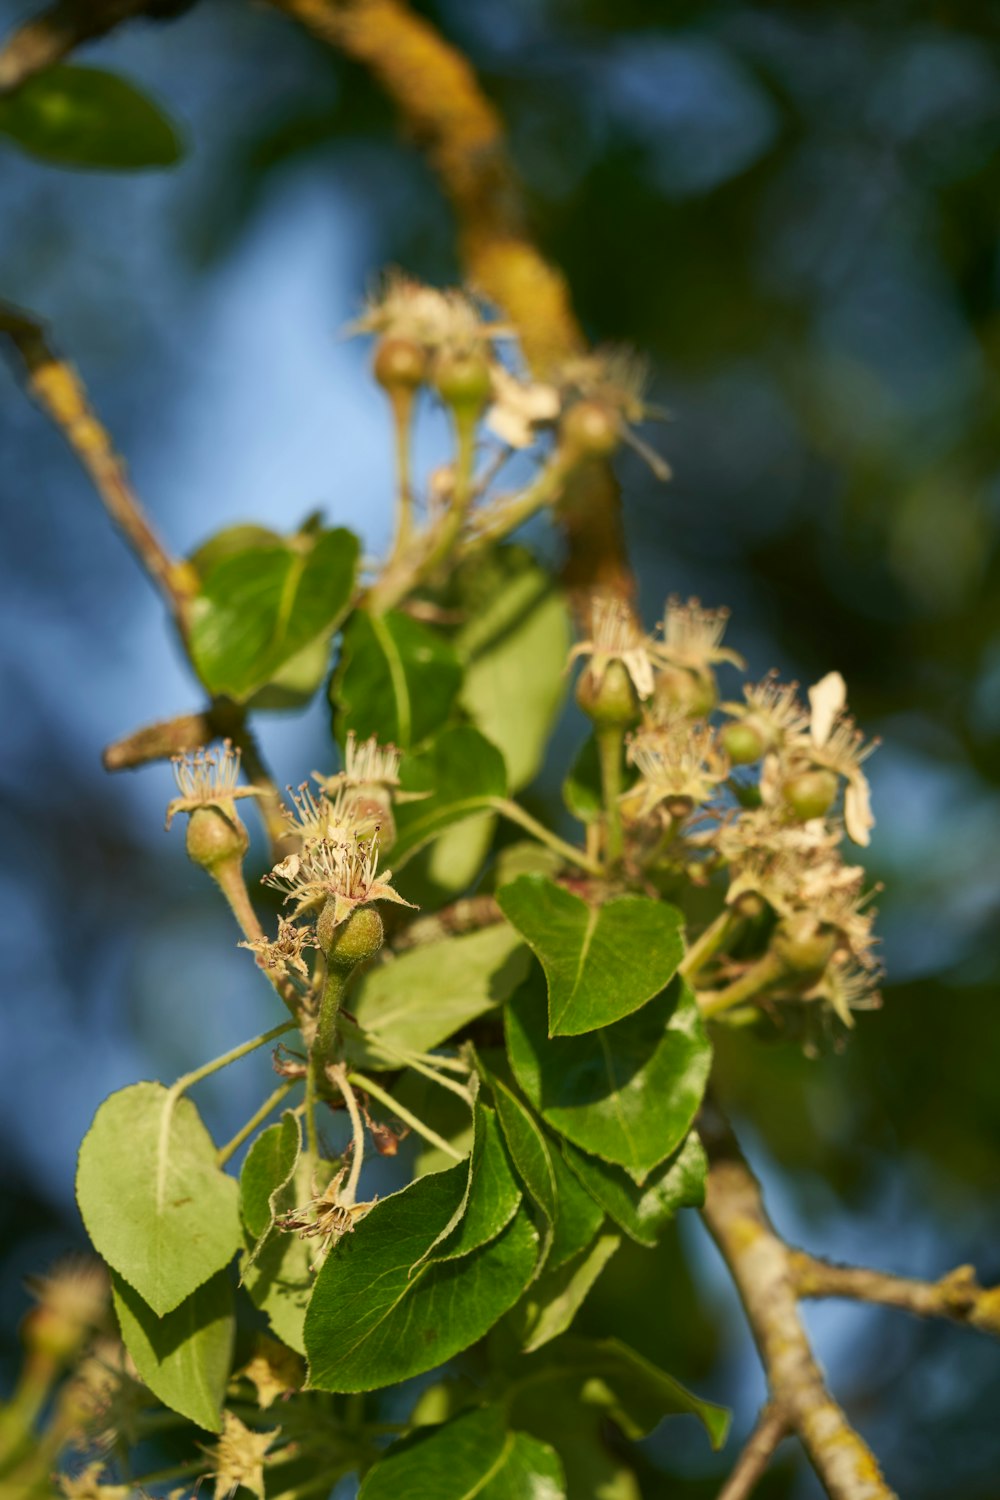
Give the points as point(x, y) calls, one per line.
point(601, 962)
point(154, 1203)
point(184, 1357)
point(627, 1093)
point(396, 679)
point(462, 774)
point(643, 1212)
point(473, 1457)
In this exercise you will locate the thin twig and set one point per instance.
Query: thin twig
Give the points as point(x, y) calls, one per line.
point(957, 1297)
point(54, 33)
point(59, 391)
point(757, 1452)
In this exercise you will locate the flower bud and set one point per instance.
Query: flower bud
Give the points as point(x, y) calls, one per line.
point(741, 742)
point(810, 794)
point(216, 836)
point(610, 701)
point(803, 945)
point(590, 429)
point(692, 693)
point(400, 364)
point(462, 380)
point(352, 941)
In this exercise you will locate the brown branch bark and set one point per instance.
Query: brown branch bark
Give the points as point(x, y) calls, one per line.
point(761, 1266)
point(771, 1429)
point(445, 110)
point(957, 1297)
point(54, 33)
point(58, 390)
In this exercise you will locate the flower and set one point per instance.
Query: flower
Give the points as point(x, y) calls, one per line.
point(328, 1216)
point(273, 1370)
point(407, 309)
point(847, 986)
point(772, 709)
point(675, 758)
point(87, 1485)
point(283, 954)
point(345, 873)
point(614, 379)
point(836, 743)
point(238, 1457)
point(366, 764)
point(519, 406)
point(208, 778)
point(615, 636)
point(692, 637)
point(313, 818)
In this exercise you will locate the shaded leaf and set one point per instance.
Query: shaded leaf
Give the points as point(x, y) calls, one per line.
point(493, 1196)
point(644, 1212)
point(184, 1357)
point(557, 1296)
point(260, 609)
point(462, 773)
point(627, 1093)
point(374, 1320)
point(474, 1455)
point(396, 679)
point(601, 962)
point(515, 647)
point(267, 1171)
point(582, 792)
point(86, 117)
point(607, 1375)
point(579, 1216)
point(530, 1153)
point(421, 998)
point(154, 1203)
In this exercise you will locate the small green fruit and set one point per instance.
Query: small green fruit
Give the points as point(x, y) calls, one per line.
point(741, 742)
point(611, 703)
point(400, 364)
point(811, 794)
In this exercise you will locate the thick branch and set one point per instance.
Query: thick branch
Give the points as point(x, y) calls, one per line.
point(957, 1296)
point(760, 1264)
point(59, 391)
point(771, 1428)
point(54, 33)
point(444, 108)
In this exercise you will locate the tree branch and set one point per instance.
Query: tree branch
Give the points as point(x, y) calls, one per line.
point(54, 33)
point(957, 1297)
point(59, 391)
point(761, 1266)
point(443, 107)
point(771, 1429)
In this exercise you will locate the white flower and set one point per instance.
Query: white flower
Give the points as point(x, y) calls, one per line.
point(405, 308)
point(692, 637)
point(344, 873)
point(838, 744)
point(519, 407)
point(615, 636)
point(208, 778)
point(773, 709)
point(677, 759)
point(239, 1456)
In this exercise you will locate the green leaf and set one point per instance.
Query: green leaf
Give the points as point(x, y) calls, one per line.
point(154, 1203)
point(184, 1357)
point(554, 1300)
point(644, 1212)
point(627, 1093)
point(268, 1169)
point(378, 1316)
point(608, 1376)
point(493, 1195)
point(260, 609)
point(462, 774)
point(475, 1455)
point(396, 679)
point(530, 1154)
point(86, 117)
point(582, 791)
point(421, 998)
point(279, 1281)
point(515, 647)
point(601, 962)
point(579, 1216)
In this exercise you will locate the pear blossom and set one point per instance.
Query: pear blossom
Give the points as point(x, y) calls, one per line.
point(615, 636)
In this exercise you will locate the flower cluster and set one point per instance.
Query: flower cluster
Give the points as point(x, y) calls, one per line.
point(753, 796)
point(594, 400)
point(338, 829)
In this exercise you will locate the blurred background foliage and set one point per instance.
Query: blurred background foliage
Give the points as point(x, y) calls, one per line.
point(793, 210)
